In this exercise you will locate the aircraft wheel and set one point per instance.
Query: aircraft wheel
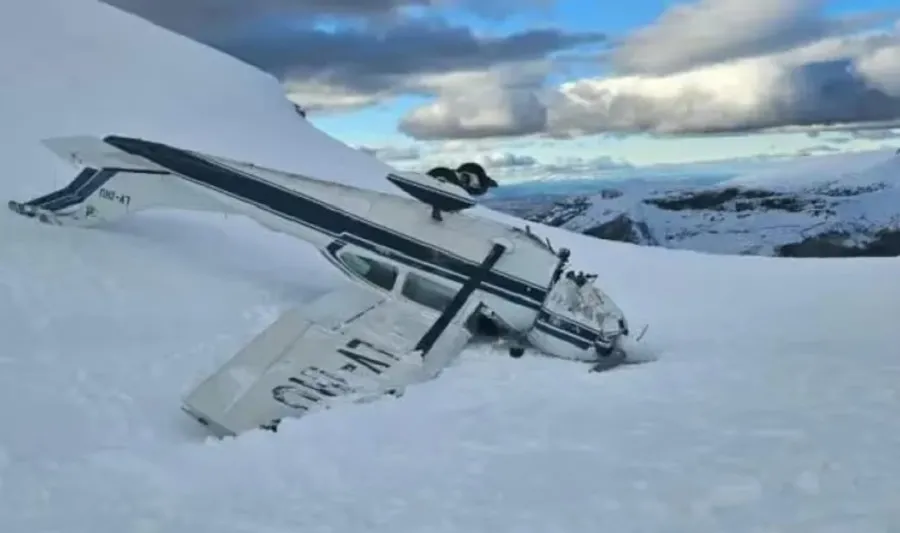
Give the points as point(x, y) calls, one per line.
point(485, 182)
point(473, 168)
point(444, 173)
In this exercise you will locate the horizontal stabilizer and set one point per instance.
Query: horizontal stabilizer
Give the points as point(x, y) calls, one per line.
point(112, 184)
point(55, 200)
point(85, 150)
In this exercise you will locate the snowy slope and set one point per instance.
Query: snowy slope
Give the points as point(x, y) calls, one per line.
point(842, 204)
point(83, 67)
point(854, 168)
point(773, 407)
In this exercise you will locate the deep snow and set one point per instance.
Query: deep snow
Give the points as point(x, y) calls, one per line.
point(773, 407)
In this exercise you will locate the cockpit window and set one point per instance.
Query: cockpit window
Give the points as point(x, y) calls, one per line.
point(426, 292)
point(380, 274)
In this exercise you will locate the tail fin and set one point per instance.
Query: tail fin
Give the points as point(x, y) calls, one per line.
point(111, 185)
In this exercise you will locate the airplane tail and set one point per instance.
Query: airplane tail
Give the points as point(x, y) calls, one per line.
point(112, 184)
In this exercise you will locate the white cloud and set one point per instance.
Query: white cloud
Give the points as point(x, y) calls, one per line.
point(585, 165)
point(880, 65)
point(507, 160)
point(322, 97)
point(839, 80)
point(711, 31)
point(715, 66)
point(502, 102)
point(394, 153)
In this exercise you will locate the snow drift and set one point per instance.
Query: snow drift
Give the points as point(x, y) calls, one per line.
point(773, 407)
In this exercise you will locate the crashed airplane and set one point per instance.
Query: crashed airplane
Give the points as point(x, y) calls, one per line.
point(426, 278)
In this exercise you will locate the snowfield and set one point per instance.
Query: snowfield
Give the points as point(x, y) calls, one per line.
point(816, 206)
point(773, 407)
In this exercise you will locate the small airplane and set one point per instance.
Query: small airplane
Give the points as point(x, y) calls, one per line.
point(426, 278)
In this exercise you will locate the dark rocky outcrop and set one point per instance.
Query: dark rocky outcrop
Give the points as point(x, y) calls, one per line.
point(624, 229)
point(702, 200)
point(737, 199)
point(563, 211)
point(885, 243)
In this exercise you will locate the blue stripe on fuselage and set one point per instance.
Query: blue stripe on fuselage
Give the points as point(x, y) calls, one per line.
point(297, 207)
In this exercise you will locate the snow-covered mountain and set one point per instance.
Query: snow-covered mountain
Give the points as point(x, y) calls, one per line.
point(822, 206)
point(773, 407)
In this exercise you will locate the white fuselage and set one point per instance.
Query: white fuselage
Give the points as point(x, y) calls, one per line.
point(394, 244)
point(400, 231)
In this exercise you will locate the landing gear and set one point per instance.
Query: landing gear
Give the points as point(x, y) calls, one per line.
point(470, 176)
point(517, 347)
point(624, 350)
point(609, 360)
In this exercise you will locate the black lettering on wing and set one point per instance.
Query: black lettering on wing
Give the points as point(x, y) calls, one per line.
point(374, 365)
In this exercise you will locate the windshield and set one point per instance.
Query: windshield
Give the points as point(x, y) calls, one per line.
point(576, 297)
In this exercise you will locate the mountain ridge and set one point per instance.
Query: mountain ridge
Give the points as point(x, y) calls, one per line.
point(842, 205)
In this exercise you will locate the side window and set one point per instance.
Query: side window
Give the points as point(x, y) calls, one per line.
point(426, 292)
point(380, 274)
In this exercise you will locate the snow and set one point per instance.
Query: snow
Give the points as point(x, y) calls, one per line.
point(859, 168)
point(772, 408)
point(853, 193)
point(85, 68)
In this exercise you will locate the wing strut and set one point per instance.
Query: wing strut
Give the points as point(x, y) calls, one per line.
point(459, 301)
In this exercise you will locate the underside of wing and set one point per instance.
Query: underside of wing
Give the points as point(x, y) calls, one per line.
point(349, 345)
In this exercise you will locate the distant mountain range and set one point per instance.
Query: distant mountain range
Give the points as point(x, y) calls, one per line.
point(839, 205)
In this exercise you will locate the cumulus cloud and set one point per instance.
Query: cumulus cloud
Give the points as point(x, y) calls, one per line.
point(711, 31)
point(203, 18)
point(478, 110)
point(875, 135)
point(703, 67)
point(715, 67)
point(881, 66)
point(354, 67)
point(365, 57)
point(345, 64)
point(585, 164)
point(818, 149)
point(499, 102)
point(746, 95)
point(507, 160)
point(394, 153)
point(219, 17)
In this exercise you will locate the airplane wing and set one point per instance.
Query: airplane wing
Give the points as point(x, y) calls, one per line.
point(351, 344)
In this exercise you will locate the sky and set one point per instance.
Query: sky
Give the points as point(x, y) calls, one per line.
point(535, 88)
